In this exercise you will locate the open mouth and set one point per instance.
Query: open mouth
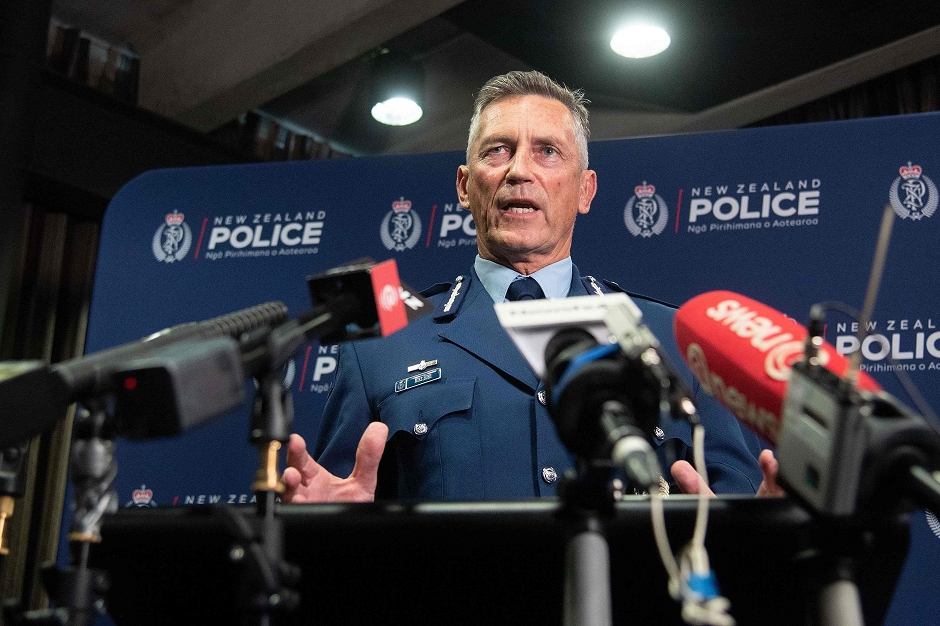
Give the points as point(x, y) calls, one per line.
point(518, 206)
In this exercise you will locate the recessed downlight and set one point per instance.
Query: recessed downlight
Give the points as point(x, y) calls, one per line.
point(638, 41)
point(397, 112)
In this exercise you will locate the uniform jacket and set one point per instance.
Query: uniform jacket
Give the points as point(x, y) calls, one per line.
point(479, 432)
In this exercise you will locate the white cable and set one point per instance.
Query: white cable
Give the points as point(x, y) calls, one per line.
point(662, 543)
point(697, 610)
point(699, 556)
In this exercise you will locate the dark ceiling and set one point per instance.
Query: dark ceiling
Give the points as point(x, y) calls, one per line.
point(721, 50)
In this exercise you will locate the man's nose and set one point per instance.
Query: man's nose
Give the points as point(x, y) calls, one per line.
point(520, 168)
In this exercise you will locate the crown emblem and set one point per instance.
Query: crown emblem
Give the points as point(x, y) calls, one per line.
point(644, 190)
point(401, 205)
point(142, 495)
point(174, 219)
point(910, 171)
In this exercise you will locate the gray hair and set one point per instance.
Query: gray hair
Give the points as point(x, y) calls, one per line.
point(534, 84)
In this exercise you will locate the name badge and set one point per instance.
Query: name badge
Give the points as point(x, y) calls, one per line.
point(418, 379)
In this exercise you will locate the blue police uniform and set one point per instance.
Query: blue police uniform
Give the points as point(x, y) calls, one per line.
point(477, 429)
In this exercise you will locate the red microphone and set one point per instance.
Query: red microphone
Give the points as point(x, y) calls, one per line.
point(741, 352)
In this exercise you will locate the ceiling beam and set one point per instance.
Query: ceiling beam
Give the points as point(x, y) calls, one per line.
point(225, 57)
point(817, 84)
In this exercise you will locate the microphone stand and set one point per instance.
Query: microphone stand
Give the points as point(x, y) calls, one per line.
point(267, 583)
point(268, 580)
point(587, 497)
point(78, 591)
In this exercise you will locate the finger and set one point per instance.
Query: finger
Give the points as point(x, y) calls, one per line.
point(291, 478)
point(769, 466)
point(688, 479)
point(299, 458)
point(296, 448)
point(368, 456)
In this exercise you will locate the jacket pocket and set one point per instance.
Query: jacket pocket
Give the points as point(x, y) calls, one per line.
point(435, 441)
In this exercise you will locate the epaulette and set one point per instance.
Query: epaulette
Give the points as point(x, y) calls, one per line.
point(596, 288)
point(458, 289)
point(435, 289)
point(640, 296)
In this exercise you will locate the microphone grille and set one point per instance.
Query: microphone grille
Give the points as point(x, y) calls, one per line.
point(240, 322)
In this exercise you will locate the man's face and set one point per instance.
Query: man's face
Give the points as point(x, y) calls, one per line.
point(523, 183)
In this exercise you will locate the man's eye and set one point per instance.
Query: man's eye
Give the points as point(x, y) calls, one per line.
point(549, 151)
point(497, 149)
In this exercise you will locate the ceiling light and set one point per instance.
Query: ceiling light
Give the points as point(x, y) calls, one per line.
point(397, 111)
point(397, 90)
point(640, 40)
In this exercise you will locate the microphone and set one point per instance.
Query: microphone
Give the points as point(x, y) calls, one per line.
point(171, 390)
point(35, 394)
point(741, 351)
point(605, 376)
point(367, 296)
point(91, 374)
point(158, 378)
point(843, 444)
point(601, 411)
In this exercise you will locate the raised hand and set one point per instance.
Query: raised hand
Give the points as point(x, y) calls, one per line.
point(307, 481)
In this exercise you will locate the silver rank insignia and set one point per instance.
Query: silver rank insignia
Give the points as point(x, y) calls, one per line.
point(423, 365)
point(418, 379)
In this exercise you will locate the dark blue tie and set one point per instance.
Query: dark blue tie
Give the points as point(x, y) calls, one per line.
point(524, 289)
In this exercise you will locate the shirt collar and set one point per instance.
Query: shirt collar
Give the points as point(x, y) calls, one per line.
point(554, 279)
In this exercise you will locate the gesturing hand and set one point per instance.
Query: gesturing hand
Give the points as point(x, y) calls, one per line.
point(307, 481)
point(690, 482)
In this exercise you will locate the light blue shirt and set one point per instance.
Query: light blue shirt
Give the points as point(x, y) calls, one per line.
point(554, 279)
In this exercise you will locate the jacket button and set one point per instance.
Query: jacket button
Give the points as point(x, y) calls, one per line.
point(543, 397)
point(421, 428)
point(549, 475)
point(658, 432)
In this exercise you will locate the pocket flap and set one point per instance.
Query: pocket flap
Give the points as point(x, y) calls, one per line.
point(425, 405)
point(675, 429)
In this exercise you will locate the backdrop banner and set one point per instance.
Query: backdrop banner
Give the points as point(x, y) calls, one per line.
point(786, 215)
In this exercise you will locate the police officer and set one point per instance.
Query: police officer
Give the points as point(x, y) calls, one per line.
point(448, 400)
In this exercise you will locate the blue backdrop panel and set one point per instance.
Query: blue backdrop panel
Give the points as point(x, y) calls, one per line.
point(787, 215)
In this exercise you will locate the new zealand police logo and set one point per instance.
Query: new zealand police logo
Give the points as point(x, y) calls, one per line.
point(141, 498)
point(172, 240)
point(401, 227)
point(920, 194)
point(646, 214)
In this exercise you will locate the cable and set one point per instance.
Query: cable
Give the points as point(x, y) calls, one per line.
point(662, 543)
point(701, 515)
point(692, 582)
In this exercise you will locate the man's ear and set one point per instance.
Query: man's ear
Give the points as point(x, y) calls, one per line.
point(463, 179)
point(588, 187)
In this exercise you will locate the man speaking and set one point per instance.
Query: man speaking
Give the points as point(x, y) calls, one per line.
point(447, 409)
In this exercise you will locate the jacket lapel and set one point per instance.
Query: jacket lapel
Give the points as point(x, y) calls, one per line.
point(476, 329)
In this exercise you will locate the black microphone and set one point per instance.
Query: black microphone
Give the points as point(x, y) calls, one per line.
point(603, 404)
point(172, 389)
point(91, 374)
point(35, 395)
